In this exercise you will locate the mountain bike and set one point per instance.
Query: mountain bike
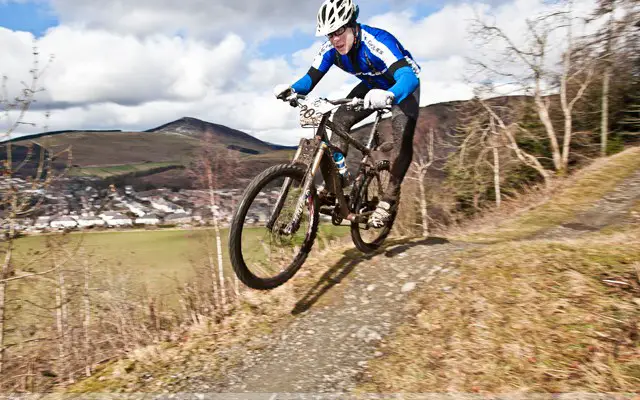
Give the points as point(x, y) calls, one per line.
point(276, 221)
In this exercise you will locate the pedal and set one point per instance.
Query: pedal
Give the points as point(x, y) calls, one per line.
point(336, 219)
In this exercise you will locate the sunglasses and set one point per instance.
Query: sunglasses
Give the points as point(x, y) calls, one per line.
point(337, 32)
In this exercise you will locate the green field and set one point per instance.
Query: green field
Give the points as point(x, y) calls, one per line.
point(279, 155)
point(157, 258)
point(116, 170)
point(142, 263)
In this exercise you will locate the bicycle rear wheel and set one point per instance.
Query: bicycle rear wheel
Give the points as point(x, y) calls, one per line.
point(368, 239)
point(265, 248)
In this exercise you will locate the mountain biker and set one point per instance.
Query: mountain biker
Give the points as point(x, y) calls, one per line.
point(389, 75)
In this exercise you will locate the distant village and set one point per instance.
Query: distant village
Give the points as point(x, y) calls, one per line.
point(84, 207)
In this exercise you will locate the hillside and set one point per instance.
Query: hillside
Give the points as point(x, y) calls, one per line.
point(543, 301)
point(153, 158)
point(196, 128)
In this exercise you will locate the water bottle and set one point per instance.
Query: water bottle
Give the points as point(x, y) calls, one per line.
point(338, 158)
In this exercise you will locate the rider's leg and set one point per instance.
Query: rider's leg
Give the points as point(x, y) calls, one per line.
point(345, 117)
point(403, 122)
point(342, 121)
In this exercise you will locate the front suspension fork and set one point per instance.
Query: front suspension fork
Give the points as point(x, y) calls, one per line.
point(282, 196)
point(294, 224)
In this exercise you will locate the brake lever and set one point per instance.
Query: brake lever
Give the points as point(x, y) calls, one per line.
point(356, 104)
point(292, 99)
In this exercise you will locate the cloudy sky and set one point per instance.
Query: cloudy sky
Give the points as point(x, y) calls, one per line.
point(136, 64)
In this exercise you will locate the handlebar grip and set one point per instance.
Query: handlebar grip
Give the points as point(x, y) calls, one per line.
point(285, 94)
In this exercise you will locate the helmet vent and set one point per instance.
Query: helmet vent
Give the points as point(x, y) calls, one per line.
point(334, 14)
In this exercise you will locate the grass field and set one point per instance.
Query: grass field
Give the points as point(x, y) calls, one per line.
point(143, 263)
point(158, 257)
point(544, 315)
point(283, 155)
point(116, 170)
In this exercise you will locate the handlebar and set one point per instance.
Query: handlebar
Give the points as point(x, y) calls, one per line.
point(294, 97)
point(293, 100)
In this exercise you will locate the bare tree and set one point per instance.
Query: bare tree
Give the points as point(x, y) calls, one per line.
point(483, 144)
point(213, 167)
point(495, 143)
point(423, 159)
point(20, 197)
point(533, 57)
point(86, 322)
point(610, 38)
point(62, 317)
point(609, 41)
point(570, 73)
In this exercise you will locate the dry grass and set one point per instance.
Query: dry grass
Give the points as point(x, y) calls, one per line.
point(210, 348)
point(207, 349)
point(538, 210)
point(536, 316)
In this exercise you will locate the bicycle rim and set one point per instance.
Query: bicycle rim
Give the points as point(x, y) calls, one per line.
point(263, 256)
point(368, 239)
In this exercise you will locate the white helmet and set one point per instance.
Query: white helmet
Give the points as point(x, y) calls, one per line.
point(334, 14)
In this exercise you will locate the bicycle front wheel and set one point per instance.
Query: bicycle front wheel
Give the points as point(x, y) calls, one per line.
point(270, 234)
point(368, 239)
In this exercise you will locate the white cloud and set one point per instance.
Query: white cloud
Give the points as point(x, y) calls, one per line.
point(264, 74)
point(122, 66)
point(441, 80)
point(199, 18)
point(100, 66)
point(204, 18)
point(442, 42)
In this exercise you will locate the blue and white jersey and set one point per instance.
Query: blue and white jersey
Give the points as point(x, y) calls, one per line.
point(378, 56)
point(378, 59)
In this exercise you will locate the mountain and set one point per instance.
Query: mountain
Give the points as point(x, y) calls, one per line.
point(151, 158)
point(234, 138)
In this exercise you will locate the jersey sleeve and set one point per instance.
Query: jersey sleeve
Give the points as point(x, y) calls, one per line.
point(321, 64)
point(324, 59)
point(406, 83)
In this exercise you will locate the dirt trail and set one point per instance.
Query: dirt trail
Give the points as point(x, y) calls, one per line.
point(326, 348)
point(615, 208)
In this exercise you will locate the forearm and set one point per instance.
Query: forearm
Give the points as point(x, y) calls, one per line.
point(406, 83)
point(306, 84)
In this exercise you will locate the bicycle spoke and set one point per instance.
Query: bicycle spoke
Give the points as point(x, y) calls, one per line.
point(269, 251)
point(365, 237)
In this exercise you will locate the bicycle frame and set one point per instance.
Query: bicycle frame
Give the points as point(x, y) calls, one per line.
point(345, 210)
